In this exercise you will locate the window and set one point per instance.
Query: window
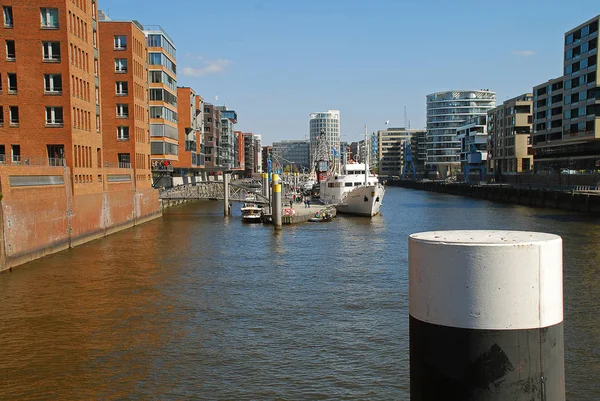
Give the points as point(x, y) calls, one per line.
point(12, 82)
point(122, 88)
point(49, 17)
point(121, 65)
point(120, 42)
point(122, 110)
point(52, 83)
point(10, 50)
point(16, 153)
point(123, 133)
point(54, 116)
point(51, 51)
point(8, 17)
point(124, 158)
point(1, 116)
point(13, 112)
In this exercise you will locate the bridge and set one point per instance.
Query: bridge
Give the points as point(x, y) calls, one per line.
point(246, 190)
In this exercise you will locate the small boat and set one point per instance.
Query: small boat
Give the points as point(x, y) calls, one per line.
point(251, 213)
point(321, 217)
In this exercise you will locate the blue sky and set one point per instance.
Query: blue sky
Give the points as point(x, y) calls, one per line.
point(276, 61)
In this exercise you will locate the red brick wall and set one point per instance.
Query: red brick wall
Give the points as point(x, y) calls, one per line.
point(36, 220)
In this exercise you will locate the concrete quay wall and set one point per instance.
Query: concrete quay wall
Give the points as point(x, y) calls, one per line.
point(42, 213)
point(575, 201)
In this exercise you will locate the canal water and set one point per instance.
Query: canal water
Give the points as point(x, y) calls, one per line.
point(195, 306)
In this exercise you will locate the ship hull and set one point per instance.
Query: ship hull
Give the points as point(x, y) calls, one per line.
point(362, 201)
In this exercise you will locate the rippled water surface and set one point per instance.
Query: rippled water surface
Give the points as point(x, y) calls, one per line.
point(195, 306)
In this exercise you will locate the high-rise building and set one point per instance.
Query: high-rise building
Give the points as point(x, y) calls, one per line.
point(227, 141)
point(249, 154)
point(266, 154)
point(190, 119)
point(258, 154)
point(566, 110)
point(162, 84)
point(125, 137)
point(240, 155)
point(293, 152)
point(418, 148)
point(51, 95)
point(473, 137)
point(445, 112)
point(212, 135)
point(329, 123)
point(509, 130)
point(391, 145)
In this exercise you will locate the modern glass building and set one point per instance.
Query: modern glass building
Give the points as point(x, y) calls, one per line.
point(329, 123)
point(446, 111)
point(293, 152)
point(162, 87)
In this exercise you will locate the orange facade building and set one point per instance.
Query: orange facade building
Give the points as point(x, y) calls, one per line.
point(190, 115)
point(50, 100)
point(125, 110)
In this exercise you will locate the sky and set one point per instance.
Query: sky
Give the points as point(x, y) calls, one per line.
point(277, 61)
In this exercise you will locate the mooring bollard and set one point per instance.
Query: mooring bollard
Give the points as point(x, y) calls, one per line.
point(486, 313)
point(226, 209)
point(276, 202)
point(265, 185)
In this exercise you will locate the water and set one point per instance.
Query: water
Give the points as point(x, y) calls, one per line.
point(195, 306)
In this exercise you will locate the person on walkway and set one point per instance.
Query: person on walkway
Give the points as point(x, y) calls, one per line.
point(291, 204)
point(308, 203)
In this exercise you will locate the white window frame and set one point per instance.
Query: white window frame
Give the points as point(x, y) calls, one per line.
point(8, 19)
point(52, 116)
point(47, 12)
point(121, 65)
point(121, 108)
point(14, 88)
point(118, 42)
point(119, 88)
point(123, 133)
point(10, 115)
point(48, 51)
point(14, 55)
point(50, 86)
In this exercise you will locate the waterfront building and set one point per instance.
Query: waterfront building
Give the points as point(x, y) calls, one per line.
point(240, 154)
point(329, 123)
point(419, 150)
point(390, 150)
point(258, 154)
point(212, 135)
point(51, 97)
point(190, 124)
point(125, 129)
point(293, 152)
point(226, 156)
point(266, 154)
point(445, 112)
point(473, 137)
point(509, 134)
point(249, 154)
point(569, 139)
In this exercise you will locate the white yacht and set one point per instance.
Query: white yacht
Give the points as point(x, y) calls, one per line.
point(251, 213)
point(353, 191)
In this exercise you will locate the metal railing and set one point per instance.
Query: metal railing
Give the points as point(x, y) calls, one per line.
point(117, 165)
point(34, 161)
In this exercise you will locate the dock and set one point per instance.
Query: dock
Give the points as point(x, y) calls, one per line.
point(300, 214)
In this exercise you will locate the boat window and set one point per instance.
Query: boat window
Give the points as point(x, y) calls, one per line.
point(348, 184)
point(330, 185)
point(356, 184)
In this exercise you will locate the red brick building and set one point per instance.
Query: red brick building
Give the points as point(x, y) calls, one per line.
point(125, 110)
point(50, 100)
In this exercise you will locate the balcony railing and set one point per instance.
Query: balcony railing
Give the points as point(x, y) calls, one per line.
point(117, 165)
point(37, 161)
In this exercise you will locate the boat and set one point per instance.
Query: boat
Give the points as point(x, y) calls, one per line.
point(352, 189)
point(321, 216)
point(251, 213)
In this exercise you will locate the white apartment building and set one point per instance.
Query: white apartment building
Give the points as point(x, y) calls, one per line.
point(446, 111)
point(329, 123)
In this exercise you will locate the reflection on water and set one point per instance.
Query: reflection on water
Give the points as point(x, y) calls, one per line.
point(198, 306)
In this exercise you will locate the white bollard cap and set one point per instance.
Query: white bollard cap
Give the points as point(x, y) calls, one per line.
point(486, 279)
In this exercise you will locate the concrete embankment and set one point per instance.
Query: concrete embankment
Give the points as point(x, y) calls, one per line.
point(576, 201)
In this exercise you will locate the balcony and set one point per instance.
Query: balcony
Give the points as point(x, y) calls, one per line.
point(117, 165)
point(33, 161)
